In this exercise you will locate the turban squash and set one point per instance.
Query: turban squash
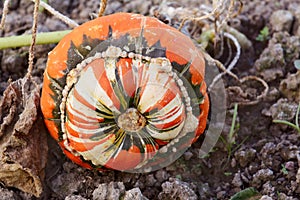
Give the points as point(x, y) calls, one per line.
point(124, 92)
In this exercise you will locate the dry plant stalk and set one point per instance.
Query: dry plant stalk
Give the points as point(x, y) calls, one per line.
point(103, 4)
point(58, 15)
point(219, 7)
point(4, 14)
point(34, 30)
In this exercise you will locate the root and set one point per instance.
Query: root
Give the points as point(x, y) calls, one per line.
point(231, 65)
point(260, 97)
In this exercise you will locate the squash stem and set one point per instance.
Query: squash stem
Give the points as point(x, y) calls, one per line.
point(25, 40)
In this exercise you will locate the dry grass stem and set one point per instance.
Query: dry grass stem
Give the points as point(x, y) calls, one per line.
point(230, 13)
point(219, 13)
point(71, 23)
point(102, 7)
point(34, 30)
point(4, 14)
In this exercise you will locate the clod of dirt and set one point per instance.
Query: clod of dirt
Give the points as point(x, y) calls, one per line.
point(270, 63)
point(287, 150)
point(282, 196)
point(281, 20)
point(262, 176)
point(298, 176)
point(237, 180)
point(161, 175)
point(244, 157)
point(75, 197)
point(23, 145)
point(13, 62)
point(290, 165)
point(295, 9)
point(111, 191)
point(290, 87)
point(66, 183)
point(134, 193)
point(290, 45)
point(283, 109)
point(265, 197)
point(277, 59)
point(176, 189)
point(150, 180)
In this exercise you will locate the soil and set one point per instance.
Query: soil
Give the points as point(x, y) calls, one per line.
point(262, 154)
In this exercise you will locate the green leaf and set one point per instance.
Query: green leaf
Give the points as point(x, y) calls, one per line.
point(246, 194)
point(284, 170)
point(263, 34)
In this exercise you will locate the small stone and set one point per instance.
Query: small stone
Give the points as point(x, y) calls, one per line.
point(281, 20)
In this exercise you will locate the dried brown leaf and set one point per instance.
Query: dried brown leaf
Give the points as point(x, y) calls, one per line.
point(23, 145)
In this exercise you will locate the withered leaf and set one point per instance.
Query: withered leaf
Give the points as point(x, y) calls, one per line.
point(23, 144)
